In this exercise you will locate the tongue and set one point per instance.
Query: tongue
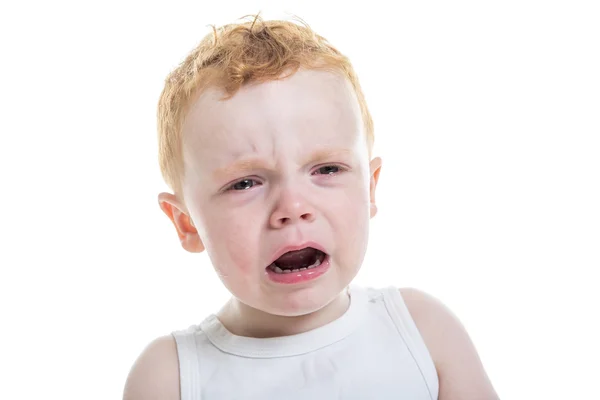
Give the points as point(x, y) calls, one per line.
point(297, 259)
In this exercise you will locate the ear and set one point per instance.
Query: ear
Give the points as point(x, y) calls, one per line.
point(187, 232)
point(375, 168)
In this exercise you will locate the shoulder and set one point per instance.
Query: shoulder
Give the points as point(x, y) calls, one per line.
point(155, 373)
point(460, 371)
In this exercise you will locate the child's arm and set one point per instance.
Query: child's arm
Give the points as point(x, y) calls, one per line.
point(460, 372)
point(155, 374)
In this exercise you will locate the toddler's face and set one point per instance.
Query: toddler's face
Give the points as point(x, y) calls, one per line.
point(282, 163)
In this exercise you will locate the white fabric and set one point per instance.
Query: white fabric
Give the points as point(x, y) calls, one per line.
point(373, 351)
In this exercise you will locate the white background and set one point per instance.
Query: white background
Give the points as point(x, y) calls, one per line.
point(487, 119)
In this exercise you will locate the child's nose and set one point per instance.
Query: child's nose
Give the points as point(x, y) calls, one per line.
point(291, 208)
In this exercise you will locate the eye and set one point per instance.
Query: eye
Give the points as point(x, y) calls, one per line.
point(244, 184)
point(330, 169)
point(248, 183)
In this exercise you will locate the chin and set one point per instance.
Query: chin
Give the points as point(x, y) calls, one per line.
point(303, 301)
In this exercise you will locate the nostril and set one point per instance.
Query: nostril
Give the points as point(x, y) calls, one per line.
point(279, 220)
point(307, 216)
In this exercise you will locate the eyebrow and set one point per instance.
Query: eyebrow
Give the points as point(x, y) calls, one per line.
point(252, 164)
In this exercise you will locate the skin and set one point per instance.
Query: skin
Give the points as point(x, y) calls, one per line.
point(289, 199)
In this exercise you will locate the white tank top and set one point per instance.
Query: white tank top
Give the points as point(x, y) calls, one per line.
point(373, 351)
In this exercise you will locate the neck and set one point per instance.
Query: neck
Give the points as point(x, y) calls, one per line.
point(236, 317)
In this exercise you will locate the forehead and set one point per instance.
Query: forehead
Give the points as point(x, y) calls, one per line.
point(307, 110)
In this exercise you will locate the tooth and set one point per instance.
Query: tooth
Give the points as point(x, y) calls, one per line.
point(303, 268)
point(286, 271)
point(295, 270)
point(316, 264)
point(278, 270)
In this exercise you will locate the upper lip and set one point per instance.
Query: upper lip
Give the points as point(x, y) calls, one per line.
point(293, 247)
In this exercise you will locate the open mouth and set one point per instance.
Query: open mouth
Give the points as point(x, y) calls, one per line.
point(299, 260)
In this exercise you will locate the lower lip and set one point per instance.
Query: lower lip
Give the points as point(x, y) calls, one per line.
point(300, 276)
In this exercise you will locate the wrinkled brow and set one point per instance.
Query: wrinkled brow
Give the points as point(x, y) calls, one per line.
point(243, 166)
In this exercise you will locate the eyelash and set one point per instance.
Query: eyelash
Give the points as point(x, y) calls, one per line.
point(230, 187)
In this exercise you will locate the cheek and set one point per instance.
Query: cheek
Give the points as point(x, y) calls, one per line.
point(235, 238)
point(353, 222)
point(355, 205)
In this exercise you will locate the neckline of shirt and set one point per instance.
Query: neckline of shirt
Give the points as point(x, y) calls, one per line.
point(287, 346)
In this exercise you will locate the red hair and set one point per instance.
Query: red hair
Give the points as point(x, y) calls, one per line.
point(239, 54)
